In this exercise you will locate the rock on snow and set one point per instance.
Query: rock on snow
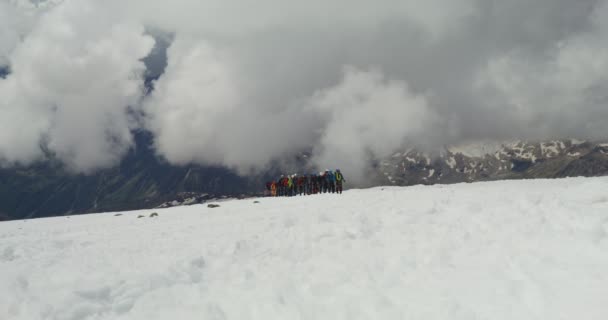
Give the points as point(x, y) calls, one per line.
point(500, 250)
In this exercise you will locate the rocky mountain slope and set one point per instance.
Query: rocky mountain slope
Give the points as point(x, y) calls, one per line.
point(490, 161)
point(142, 180)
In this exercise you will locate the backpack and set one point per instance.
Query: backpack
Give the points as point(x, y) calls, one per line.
point(338, 176)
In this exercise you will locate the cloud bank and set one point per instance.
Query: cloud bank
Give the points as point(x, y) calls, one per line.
point(72, 79)
point(246, 83)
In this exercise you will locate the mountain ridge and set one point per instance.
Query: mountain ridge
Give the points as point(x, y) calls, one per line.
point(512, 160)
point(143, 180)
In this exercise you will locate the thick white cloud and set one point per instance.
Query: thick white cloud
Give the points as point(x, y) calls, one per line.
point(17, 18)
point(366, 116)
point(72, 80)
point(9, 30)
point(249, 82)
point(199, 112)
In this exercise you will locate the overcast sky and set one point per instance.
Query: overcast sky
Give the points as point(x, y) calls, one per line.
point(246, 82)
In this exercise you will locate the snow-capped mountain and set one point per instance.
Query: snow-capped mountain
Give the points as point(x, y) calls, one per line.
point(494, 161)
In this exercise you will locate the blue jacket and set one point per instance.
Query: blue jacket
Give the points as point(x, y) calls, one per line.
point(331, 177)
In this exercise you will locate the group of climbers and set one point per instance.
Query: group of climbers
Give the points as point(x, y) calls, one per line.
point(293, 185)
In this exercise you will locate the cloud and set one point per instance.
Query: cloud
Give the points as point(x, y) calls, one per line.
point(250, 82)
point(13, 25)
point(559, 93)
point(367, 116)
point(17, 18)
point(73, 78)
point(246, 17)
point(199, 113)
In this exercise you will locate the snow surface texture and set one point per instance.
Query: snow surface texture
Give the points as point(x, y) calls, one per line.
point(498, 250)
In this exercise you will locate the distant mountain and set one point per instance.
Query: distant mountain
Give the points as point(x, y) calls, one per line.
point(141, 180)
point(491, 161)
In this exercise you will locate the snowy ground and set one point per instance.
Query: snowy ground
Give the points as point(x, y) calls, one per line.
point(501, 250)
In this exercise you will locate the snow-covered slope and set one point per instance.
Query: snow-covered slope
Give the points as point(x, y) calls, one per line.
point(498, 250)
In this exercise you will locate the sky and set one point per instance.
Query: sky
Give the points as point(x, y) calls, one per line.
point(246, 83)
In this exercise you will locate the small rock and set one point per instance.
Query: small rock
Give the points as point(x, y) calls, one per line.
point(118, 215)
point(211, 205)
point(154, 214)
point(140, 216)
point(256, 202)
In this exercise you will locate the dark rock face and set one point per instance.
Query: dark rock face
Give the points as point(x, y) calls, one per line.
point(142, 180)
point(518, 160)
